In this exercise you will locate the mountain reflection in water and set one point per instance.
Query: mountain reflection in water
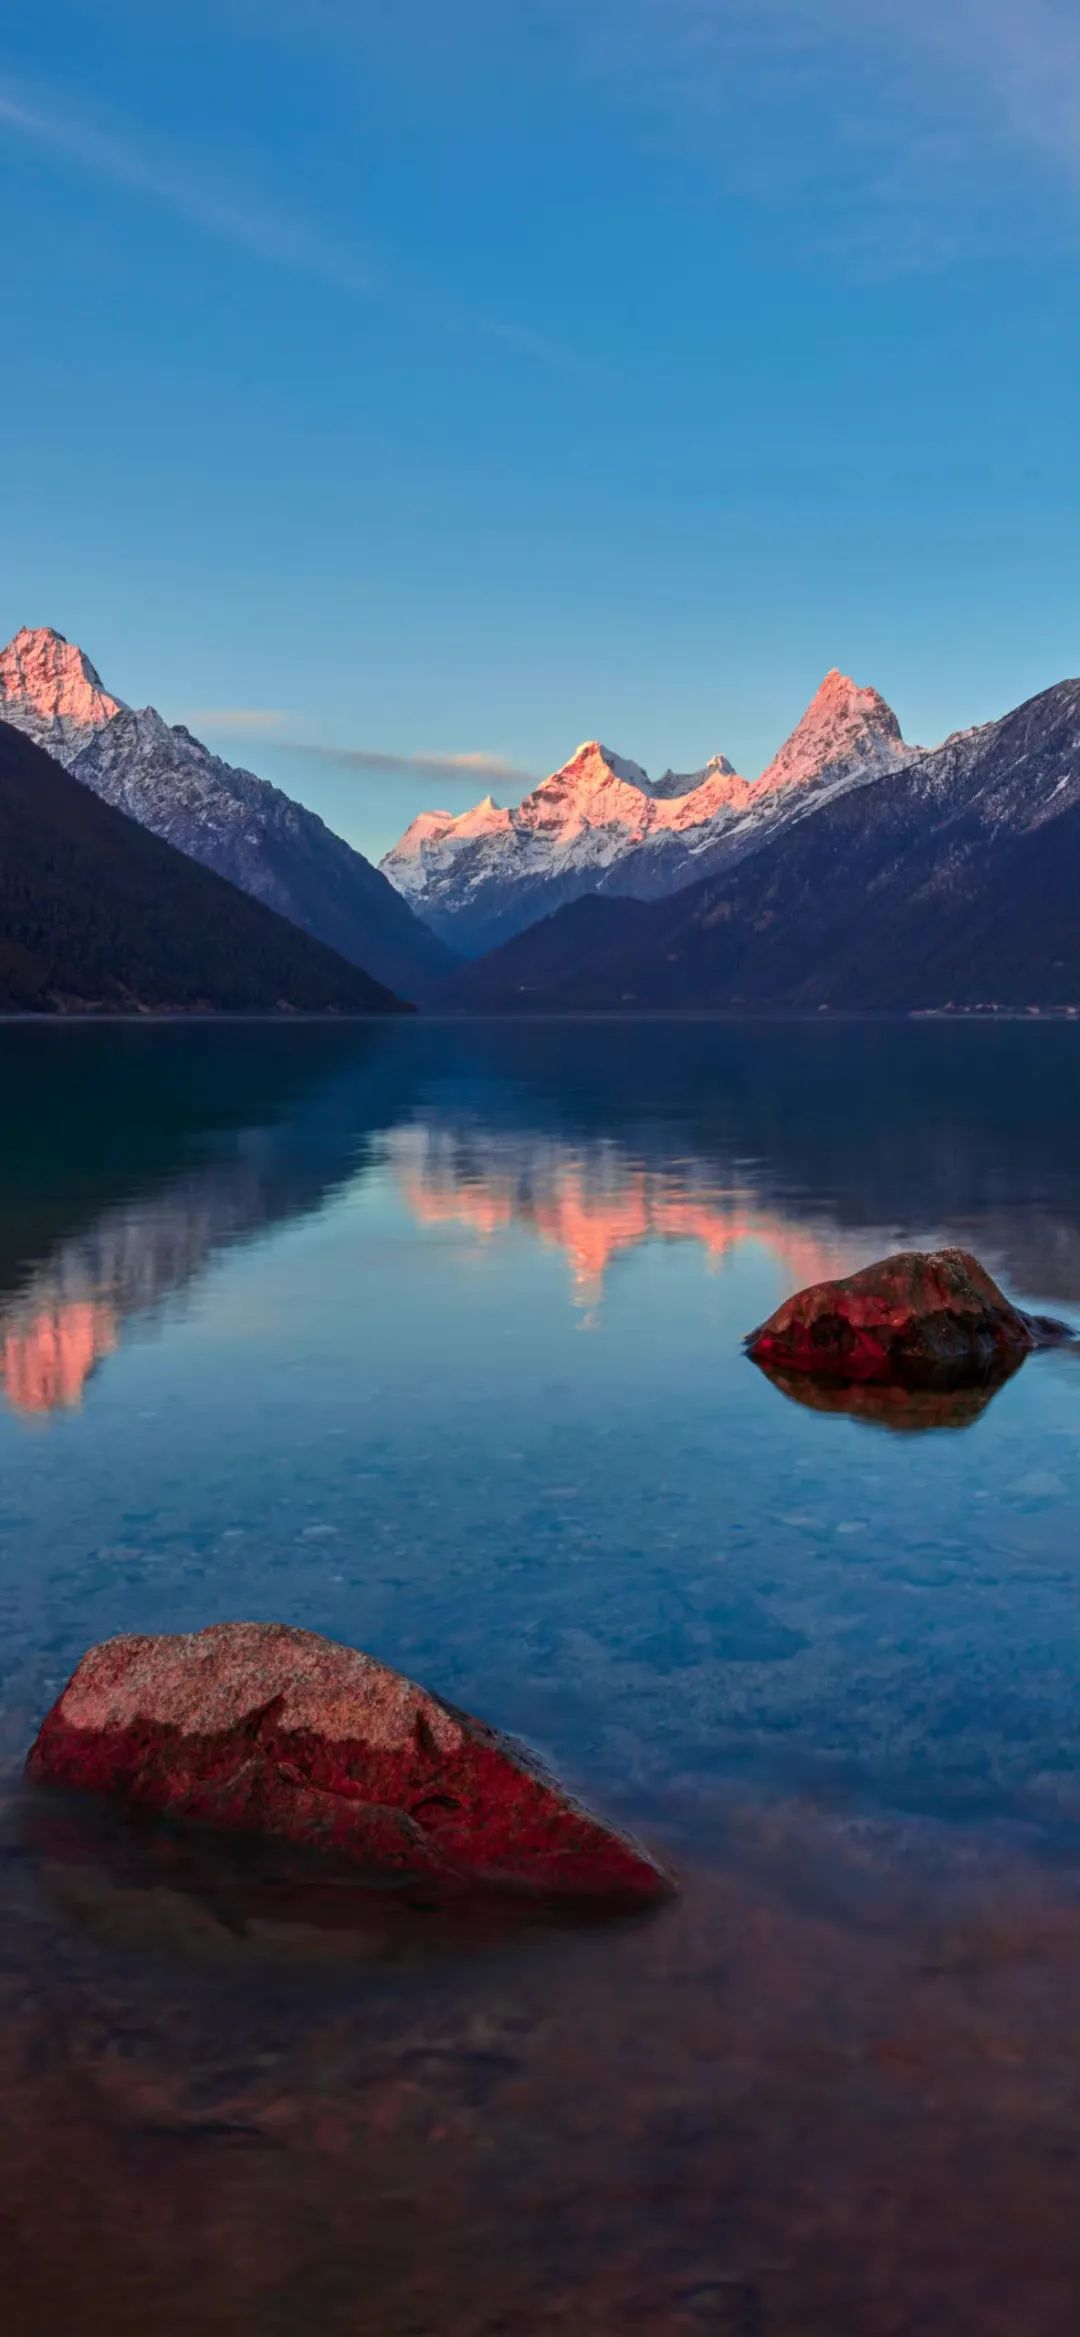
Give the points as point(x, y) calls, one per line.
point(302, 1310)
point(49, 1347)
point(65, 1309)
point(593, 1204)
point(472, 1140)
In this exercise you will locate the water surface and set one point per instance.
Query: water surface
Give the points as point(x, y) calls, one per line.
point(429, 1338)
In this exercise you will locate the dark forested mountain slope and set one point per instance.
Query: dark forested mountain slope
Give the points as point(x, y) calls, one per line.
point(272, 847)
point(231, 820)
point(97, 913)
point(955, 881)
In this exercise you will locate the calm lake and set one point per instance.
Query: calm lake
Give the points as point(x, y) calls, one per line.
point(428, 1337)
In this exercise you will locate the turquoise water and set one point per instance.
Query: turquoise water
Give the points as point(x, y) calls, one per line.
point(429, 1338)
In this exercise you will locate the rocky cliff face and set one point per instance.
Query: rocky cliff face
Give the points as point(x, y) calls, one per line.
point(226, 818)
point(600, 824)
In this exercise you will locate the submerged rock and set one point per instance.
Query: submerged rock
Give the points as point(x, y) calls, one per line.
point(269, 1731)
point(929, 1318)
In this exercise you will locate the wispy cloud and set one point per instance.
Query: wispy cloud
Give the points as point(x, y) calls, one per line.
point(907, 135)
point(494, 768)
point(1014, 63)
point(191, 186)
point(270, 723)
point(252, 222)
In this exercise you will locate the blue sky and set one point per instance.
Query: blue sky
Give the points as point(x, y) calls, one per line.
point(419, 382)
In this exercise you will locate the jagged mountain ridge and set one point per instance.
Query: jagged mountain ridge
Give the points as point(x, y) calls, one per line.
point(98, 915)
point(228, 818)
point(952, 883)
point(599, 824)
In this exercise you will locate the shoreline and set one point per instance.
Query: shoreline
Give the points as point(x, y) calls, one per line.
point(986, 1016)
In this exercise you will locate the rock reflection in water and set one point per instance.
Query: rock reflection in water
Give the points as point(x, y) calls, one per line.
point(905, 1410)
point(837, 2088)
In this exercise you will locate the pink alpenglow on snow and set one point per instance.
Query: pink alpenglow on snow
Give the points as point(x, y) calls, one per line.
point(598, 801)
point(600, 824)
point(261, 1729)
point(932, 1318)
point(845, 731)
point(50, 690)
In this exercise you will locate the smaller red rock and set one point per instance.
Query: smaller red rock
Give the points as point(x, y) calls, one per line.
point(265, 1730)
point(931, 1318)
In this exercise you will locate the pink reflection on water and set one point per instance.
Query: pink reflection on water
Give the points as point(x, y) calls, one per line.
point(595, 1208)
point(46, 1360)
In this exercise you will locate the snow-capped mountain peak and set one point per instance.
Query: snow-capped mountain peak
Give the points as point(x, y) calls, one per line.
point(438, 834)
point(485, 818)
point(600, 824)
point(51, 692)
point(845, 730)
point(595, 789)
point(573, 833)
point(593, 764)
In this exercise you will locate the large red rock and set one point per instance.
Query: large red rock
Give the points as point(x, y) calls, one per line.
point(932, 1318)
point(266, 1730)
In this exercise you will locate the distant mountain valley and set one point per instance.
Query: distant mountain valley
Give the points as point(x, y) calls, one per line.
point(857, 873)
